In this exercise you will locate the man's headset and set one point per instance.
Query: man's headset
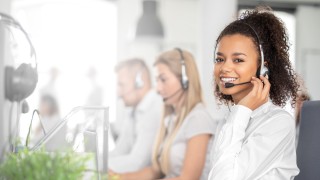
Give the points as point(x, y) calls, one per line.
point(184, 77)
point(138, 81)
point(20, 82)
point(262, 70)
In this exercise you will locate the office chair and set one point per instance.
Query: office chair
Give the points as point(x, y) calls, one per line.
point(308, 150)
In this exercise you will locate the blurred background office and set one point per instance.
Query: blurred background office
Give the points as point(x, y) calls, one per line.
point(74, 36)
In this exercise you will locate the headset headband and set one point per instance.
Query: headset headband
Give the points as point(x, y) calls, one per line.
point(4, 18)
point(260, 45)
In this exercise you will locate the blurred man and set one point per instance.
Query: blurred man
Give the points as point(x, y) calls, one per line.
point(135, 142)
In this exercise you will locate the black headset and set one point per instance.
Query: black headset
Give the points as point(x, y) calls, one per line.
point(20, 82)
point(263, 70)
point(184, 77)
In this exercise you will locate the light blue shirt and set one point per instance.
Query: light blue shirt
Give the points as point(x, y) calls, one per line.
point(133, 150)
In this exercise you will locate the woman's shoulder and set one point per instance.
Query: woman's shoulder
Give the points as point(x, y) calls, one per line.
point(277, 111)
point(278, 117)
point(199, 110)
point(199, 121)
point(200, 115)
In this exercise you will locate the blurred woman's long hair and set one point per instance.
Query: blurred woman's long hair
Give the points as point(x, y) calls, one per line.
point(191, 96)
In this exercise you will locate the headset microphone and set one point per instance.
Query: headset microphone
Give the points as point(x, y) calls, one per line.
point(229, 85)
point(171, 96)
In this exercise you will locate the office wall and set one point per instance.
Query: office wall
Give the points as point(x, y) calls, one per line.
point(308, 47)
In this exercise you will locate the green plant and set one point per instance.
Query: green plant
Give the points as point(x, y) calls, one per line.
point(39, 165)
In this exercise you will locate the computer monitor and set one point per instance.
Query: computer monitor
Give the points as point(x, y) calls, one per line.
point(308, 148)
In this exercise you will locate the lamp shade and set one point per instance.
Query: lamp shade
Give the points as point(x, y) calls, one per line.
point(149, 24)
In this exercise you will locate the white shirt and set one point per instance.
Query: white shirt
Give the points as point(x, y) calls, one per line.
point(255, 145)
point(197, 122)
point(133, 150)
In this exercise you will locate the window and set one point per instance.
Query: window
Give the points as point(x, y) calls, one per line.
point(76, 45)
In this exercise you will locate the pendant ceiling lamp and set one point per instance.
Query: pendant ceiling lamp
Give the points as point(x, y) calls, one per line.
point(149, 24)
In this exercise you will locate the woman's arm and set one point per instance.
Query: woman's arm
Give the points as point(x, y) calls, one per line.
point(195, 158)
point(148, 173)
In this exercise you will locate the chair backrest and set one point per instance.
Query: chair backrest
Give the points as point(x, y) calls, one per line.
point(308, 149)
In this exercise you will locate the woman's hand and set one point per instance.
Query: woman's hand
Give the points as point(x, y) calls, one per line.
point(259, 93)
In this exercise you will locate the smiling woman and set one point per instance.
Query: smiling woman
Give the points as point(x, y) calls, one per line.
point(236, 62)
point(256, 140)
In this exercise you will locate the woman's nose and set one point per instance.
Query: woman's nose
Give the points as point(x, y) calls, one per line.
point(226, 67)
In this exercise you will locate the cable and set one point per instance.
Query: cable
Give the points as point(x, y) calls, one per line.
point(30, 126)
point(10, 121)
point(9, 138)
point(17, 128)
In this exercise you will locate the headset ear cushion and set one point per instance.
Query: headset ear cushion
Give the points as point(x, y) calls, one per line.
point(184, 82)
point(264, 71)
point(20, 83)
point(138, 81)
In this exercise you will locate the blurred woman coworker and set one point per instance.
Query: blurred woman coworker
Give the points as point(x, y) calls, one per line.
point(257, 139)
point(49, 119)
point(186, 132)
point(303, 96)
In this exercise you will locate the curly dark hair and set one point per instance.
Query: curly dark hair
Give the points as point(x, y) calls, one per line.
point(272, 35)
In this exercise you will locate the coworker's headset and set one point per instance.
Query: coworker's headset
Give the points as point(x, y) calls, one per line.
point(20, 82)
point(138, 82)
point(184, 77)
point(263, 70)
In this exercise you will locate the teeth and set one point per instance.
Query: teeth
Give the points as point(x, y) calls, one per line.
point(228, 79)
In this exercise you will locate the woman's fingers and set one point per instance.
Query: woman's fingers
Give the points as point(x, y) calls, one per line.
point(266, 88)
point(257, 87)
point(259, 93)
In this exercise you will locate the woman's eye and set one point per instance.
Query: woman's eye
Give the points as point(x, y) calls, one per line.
point(218, 60)
point(238, 60)
point(163, 79)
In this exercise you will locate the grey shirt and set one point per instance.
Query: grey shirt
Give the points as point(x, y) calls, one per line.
point(197, 122)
